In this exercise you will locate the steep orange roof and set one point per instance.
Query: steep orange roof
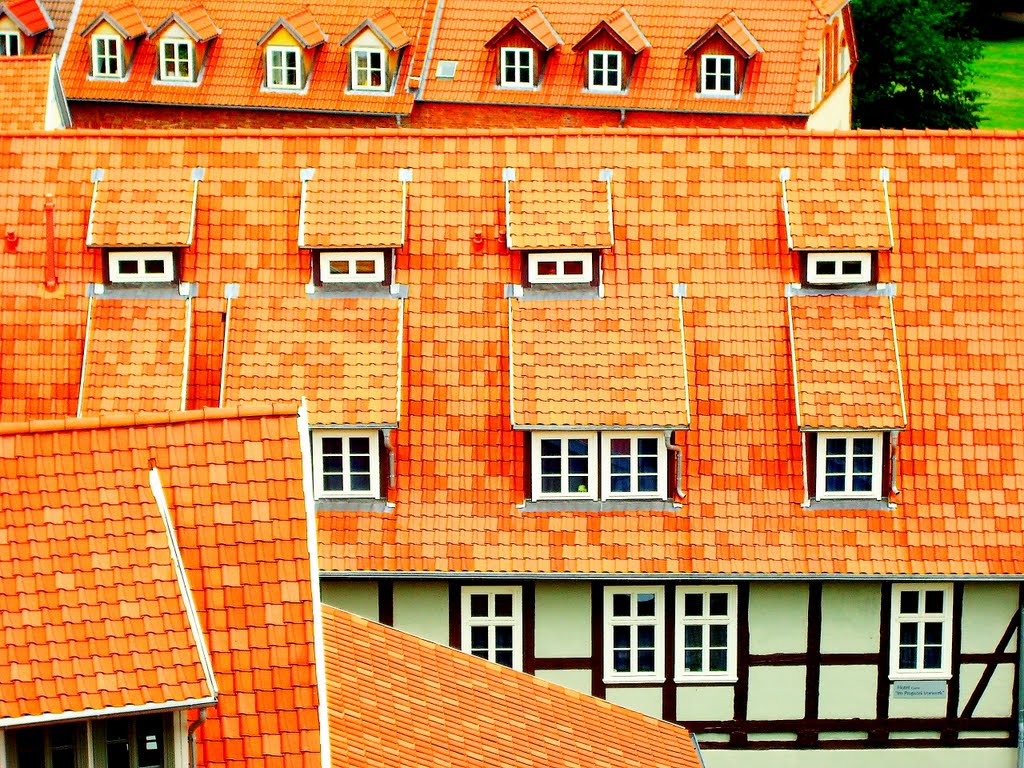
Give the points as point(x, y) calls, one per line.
point(29, 15)
point(135, 358)
point(837, 213)
point(479, 711)
point(143, 207)
point(734, 31)
point(621, 26)
point(25, 83)
point(534, 24)
point(126, 20)
point(847, 374)
point(353, 208)
point(281, 350)
point(385, 26)
point(194, 22)
point(302, 25)
point(558, 213)
point(630, 372)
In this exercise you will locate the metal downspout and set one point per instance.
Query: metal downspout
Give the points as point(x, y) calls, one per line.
point(192, 736)
point(678, 451)
point(1020, 689)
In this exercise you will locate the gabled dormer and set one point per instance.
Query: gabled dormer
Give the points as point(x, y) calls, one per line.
point(183, 43)
point(113, 41)
point(611, 49)
point(523, 47)
point(722, 56)
point(375, 53)
point(22, 23)
point(289, 50)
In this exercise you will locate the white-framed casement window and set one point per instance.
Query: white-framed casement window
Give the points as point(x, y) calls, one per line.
point(368, 69)
point(718, 75)
point(706, 634)
point(605, 71)
point(352, 266)
point(633, 465)
point(284, 67)
point(922, 628)
point(560, 267)
point(492, 624)
point(634, 634)
point(346, 463)
point(107, 56)
point(10, 43)
point(838, 268)
point(849, 465)
point(516, 67)
point(565, 465)
point(177, 60)
point(141, 266)
point(143, 741)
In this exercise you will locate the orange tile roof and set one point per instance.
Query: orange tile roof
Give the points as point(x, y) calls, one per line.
point(29, 15)
point(386, 27)
point(534, 24)
point(284, 349)
point(302, 25)
point(847, 374)
point(194, 22)
point(135, 356)
point(25, 84)
point(143, 207)
point(630, 372)
point(829, 213)
point(735, 33)
point(126, 20)
point(558, 213)
point(353, 208)
point(701, 208)
point(479, 712)
point(621, 26)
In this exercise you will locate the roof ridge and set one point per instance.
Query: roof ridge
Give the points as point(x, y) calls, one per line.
point(118, 420)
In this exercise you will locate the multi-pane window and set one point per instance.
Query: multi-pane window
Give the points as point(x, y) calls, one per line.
point(284, 67)
point(560, 266)
point(346, 463)
point(634, 465)
point(492, 625)
point(517, 67)
point(352, 266)
point(706, 633)
point(838, 268)
point(921, 630)
point(368, 69)
point(849, 465)
point(176, 60)
point(106, 56)
point(634, 633)
point(116, 742)
point(141, 266)
point(10, 44)
point(605, 71)
point(564, 465)
point(718, 75)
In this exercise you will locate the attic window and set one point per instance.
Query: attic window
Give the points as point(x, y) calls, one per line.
point(560, 267)
point(605, 72)
point(517, 67)
point(838, 268)
point(107, 56)
point(346, 463)
point(10, 44)
point(284, 67)
point(849, 465)
point(141, 266)
point(718, 75)
point(368, 69)
point(352, 266)
point(177, 59)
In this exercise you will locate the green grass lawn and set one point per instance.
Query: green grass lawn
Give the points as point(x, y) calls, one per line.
point(1001, 80)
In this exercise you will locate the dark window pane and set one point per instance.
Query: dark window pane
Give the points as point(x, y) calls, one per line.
point(908, 602)
point(835, 483)
point(908, 657)
point(550, 466)
point(719, 604)
point(645, 636)
point(647, 465)
point(694, 660)
point(933, 633)
point(645, 604)
point(359, 445)
point(149, 741)
point(851, 268)
point(862, 465)
point(718, 660)
point(719, 635)
point(835, 466)
point(933, 601)
point(579, 465)
point(549, 447)
point(620, 660)
point(335, 445)
point(333, 483)
point(359, 464)
point(579, 447)
point(861, 483)
point(620, 484)
point(551, 485)
point(693, 636)
point(645, 661)
point(863, 445)
point(504, 657)
point(154, 266)
point(619, 446)
point(360, 482)
point(619, 465)
point(647, 483)
point(334, 464)
point(478, 637)
point(572, 267)
point(478, 606)
point(128, 267)
point(826, 268)
point(693, 604)
point(547, 268)
point(621, 605)
point(908, 633)
point(503, 637)
point(503, 605)
point(835, 446)
point(481, 652)
point(621, 637)
point(932, 657)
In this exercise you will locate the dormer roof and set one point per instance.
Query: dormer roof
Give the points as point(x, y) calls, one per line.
point(349, 208)
point(126, 21)
point(32, 95)
point(828, 214)
point(734, 32)
point(195, 22)
point(555, 213)
point(143, 208)
point(385, 26)
point(29, 15)
point(301, 25)
point(534, 24)
point(621, 26)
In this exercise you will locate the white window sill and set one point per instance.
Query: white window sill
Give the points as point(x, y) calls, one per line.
point(707, 679)
point(901, 677)
point(637, 679)
point(509, 87)
point(718, 95)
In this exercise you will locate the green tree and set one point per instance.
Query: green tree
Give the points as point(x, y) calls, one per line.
point(916, 64)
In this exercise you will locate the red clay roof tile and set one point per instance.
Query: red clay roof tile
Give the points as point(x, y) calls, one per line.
point(353, 208)
point(534, 24)
point(830, 213)
point(194, 22)
point(29, 15)
point(25, 89)
point(301, 25)
point(554, 213)
point(735, 33)
point(147, 207)
point(620, 26)
point(126, 20)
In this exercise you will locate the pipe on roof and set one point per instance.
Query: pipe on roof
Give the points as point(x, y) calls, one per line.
point(51, 281)
point(678, 451)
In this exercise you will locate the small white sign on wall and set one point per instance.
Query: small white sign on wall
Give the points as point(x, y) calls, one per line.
point(919, 689)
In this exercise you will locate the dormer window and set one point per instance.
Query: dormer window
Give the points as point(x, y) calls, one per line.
point(838, 268)
point(177, 60)
point(605, 71)
point(10, 43)
point(284, 67)
point(352, 267)
point(849, 465)
point(375, 52)
point(560, 267)
point(346, 463)
point(368, 72)
point(107, 56)
point(517, 67)
point(289, 50)
point(599, 465)
point(718, 75)
point(140, 266)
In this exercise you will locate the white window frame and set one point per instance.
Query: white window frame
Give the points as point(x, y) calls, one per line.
point(847, 492)
point(346, 473)
point(518, 67)
point(280, 70)
point(12, 42)
point(492, 622)
point(114, 259)
point(564, 437)
point(657, 675)
point(350, 259)
point(362, 66)
point(718, 89)
point(705, 621)
point(560, 258)
point(604, 63)
point(919, 618)
point(89, 738)
point(101, 53)
point(169, 52)
point(839, 258)
point(606, 465)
